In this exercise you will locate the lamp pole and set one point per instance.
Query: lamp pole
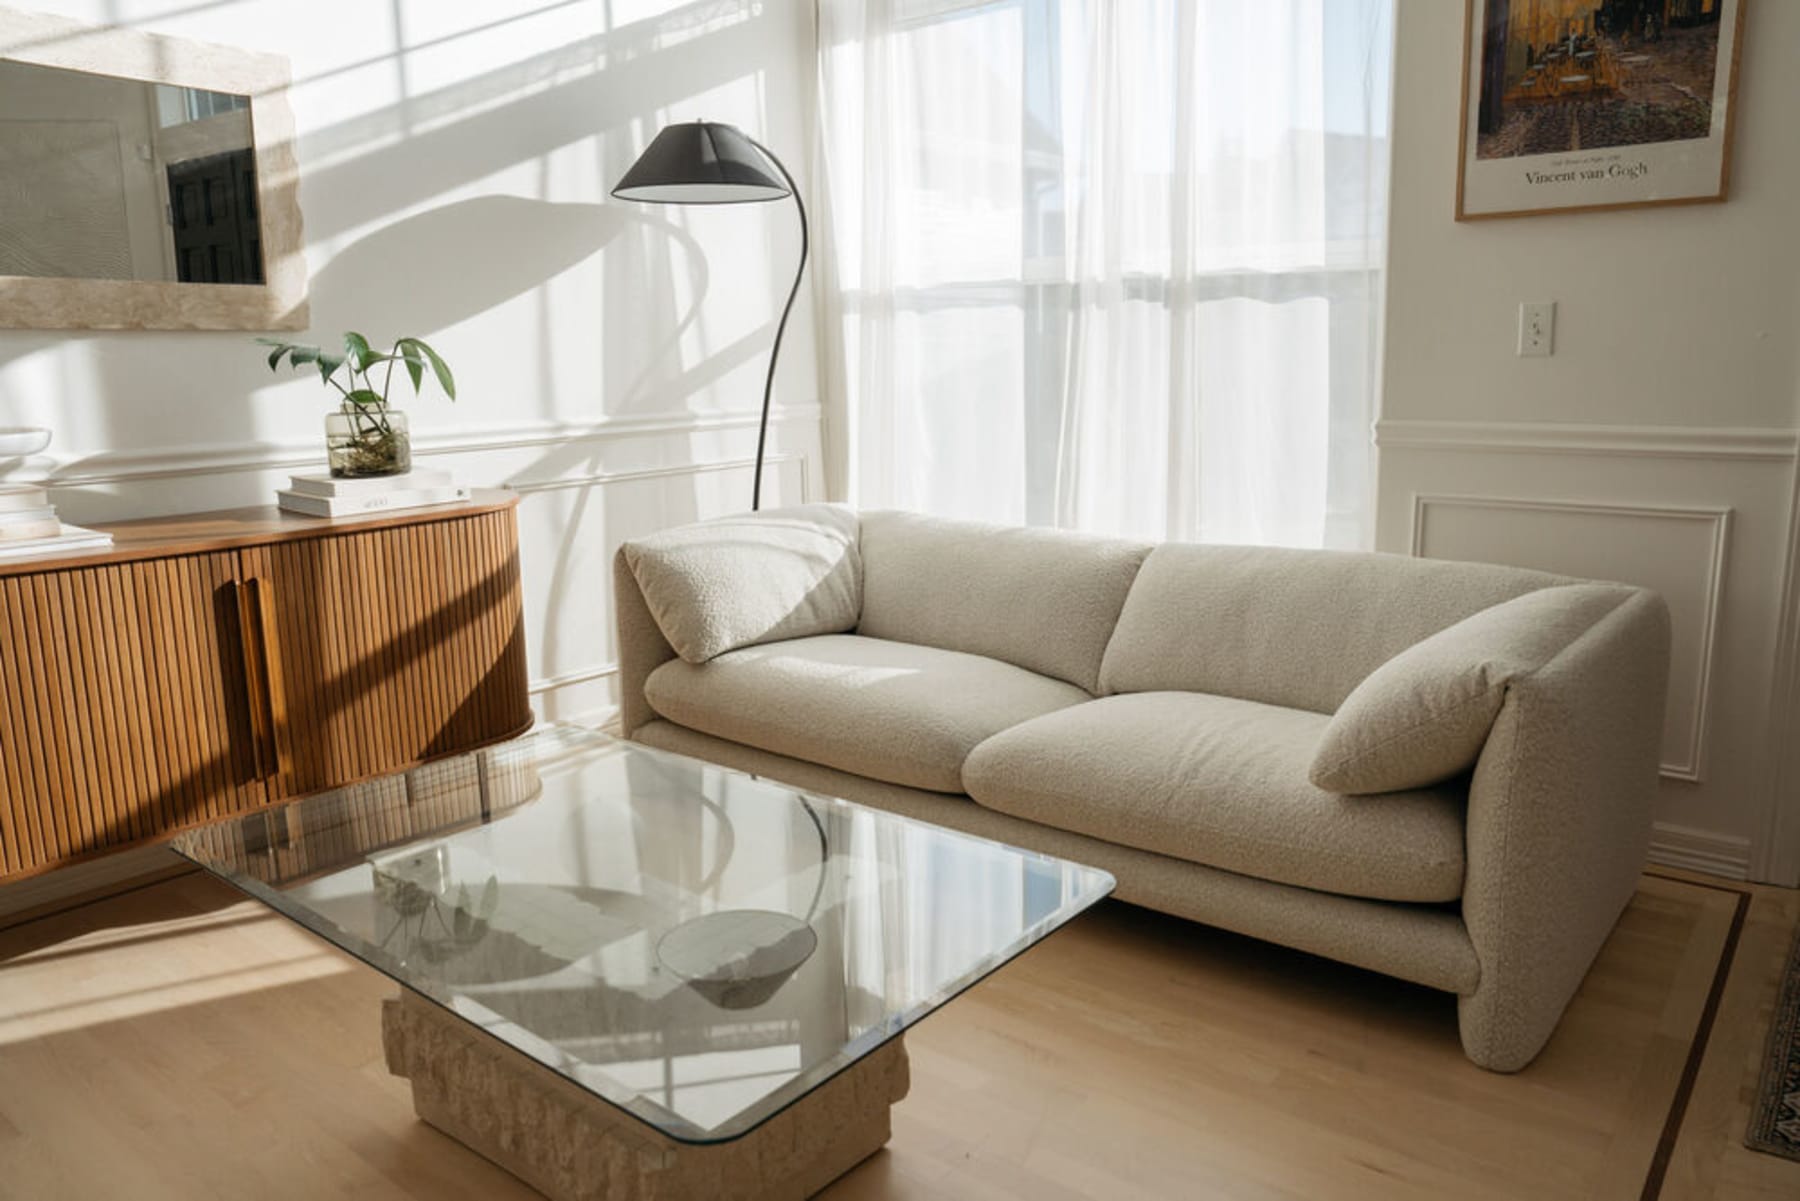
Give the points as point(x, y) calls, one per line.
point(707, 162)
point(762, 430)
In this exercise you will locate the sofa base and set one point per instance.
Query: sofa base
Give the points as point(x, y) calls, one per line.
point(1426, 944)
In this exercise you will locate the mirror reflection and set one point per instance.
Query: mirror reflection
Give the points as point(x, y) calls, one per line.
point(110, 178)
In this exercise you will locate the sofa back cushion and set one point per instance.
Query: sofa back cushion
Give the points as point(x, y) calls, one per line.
point(715, 586)
point(1045, 600)
point(1424, 715)
point(1300, 628)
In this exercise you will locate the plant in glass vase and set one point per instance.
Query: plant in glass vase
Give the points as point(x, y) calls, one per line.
point(366, 436)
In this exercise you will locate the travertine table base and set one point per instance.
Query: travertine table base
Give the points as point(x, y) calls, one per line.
point(572, 1146)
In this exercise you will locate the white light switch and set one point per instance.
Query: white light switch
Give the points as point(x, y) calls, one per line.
point(1537, 329)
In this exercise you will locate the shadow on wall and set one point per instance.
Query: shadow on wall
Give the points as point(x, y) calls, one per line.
point(455, 262)
point(184, 421)
point(481, 125)
point(463, 258)
point(459, 261)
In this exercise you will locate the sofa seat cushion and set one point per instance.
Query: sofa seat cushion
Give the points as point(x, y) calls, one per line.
point(887, 710)
point(1221, 782)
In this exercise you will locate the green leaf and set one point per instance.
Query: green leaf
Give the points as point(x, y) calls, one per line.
point(328, 363)
point(365, 396)
point(281, 348)
point(298, 355)
point(439, 368)
point(357, 348)
point(415, 362)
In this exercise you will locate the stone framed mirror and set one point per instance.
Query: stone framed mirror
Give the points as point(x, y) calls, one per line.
point(146, 182)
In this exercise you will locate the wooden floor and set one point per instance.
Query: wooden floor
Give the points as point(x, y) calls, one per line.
point(178, 1041)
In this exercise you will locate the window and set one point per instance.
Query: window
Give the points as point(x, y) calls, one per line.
point(1110, 264)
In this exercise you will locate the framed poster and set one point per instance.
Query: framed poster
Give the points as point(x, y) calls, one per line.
point(1596, 104)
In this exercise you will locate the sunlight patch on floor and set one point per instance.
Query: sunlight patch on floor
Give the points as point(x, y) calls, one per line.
point(97, 997)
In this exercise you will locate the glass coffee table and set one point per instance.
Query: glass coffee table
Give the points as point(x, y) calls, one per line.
point(631, 974)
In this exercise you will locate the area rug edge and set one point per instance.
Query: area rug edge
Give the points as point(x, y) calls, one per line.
point(1777, 1102)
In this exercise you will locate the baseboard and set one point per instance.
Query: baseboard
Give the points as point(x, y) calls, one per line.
point(1700, 851)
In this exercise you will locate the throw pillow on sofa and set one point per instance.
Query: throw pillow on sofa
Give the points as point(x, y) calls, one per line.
point(759, 577)
point(1424, 715)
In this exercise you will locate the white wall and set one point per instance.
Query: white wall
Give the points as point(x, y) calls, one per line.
point(1656, 445)
point(454, 161)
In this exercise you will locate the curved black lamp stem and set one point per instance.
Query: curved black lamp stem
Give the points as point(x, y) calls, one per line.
point(762, 431)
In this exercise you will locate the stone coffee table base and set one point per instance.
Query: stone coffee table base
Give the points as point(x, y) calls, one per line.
point(572, 1146)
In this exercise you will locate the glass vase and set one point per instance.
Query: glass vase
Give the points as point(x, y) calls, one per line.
point(367, 443)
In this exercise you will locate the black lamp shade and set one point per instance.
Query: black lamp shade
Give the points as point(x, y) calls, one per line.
point(699, 162)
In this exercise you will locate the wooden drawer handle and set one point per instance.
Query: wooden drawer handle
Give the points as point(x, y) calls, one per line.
point(262, 677)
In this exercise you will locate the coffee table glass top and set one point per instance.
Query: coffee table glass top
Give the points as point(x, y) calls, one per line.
point(697, 946)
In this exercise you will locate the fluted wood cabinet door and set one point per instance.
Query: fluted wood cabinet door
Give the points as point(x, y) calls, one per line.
point(388, 646)
point(120, 706)
point(210, 663)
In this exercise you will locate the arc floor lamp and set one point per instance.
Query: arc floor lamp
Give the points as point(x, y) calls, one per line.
point(705, 162)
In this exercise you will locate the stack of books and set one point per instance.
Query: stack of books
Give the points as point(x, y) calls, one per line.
point(330, 496)
point(29, 525)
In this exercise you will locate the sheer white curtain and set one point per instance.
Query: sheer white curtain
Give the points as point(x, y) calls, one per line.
point(1108, 264)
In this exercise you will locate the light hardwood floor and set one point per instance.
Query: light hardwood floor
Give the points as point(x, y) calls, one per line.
point(178, 1041)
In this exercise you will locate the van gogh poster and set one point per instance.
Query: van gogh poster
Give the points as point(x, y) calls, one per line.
point(1572, 104)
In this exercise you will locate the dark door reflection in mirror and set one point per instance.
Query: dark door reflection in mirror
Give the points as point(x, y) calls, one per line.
point(103, 177)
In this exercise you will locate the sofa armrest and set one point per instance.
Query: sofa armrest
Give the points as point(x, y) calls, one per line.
point(641, 646)
point(1559, 824)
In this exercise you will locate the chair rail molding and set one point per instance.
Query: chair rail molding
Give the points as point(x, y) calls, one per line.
point(1688, 763)
point(124, 467)
point(559, 483)
point(1551, 437)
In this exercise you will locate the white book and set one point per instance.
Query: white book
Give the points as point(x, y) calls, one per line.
point(330, 485)
point(12, 517)
point(380, 502)
point(73, 537)
point(17, 497)
point(25, 531)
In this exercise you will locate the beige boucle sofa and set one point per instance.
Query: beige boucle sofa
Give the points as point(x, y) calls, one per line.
point(1489, 735)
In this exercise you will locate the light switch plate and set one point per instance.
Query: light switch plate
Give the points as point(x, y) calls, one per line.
point(1537, 329)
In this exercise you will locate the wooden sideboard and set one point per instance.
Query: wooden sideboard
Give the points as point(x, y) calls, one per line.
point(211, 664)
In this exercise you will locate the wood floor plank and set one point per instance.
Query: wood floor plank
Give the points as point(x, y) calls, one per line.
point(1710, 1159)
point(179, 1041)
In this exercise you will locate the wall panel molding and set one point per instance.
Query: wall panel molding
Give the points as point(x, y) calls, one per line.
point(1548, 437)
point(1778, 851)
point(124, 467)
point(1688, 761)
